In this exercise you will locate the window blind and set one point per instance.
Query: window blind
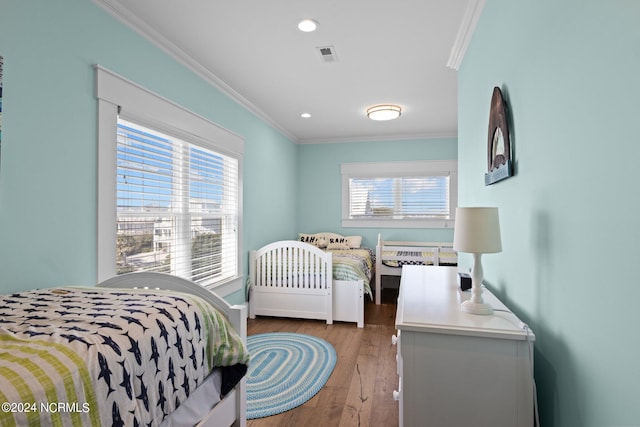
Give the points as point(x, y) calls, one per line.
point(413, 197)
point(177, 206)
point(400, 194)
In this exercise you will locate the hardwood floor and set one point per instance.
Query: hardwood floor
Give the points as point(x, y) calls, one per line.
point(359, 391)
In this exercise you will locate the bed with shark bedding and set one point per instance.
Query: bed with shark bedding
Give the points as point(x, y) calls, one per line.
point(139, 349)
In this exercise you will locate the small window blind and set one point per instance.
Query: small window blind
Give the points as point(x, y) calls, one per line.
point(420, 193)
point(415, 197)
point(177, 206)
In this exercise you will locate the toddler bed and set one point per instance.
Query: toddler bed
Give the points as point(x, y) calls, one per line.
point(392, 255)
point(124, 353)
point(322, 276)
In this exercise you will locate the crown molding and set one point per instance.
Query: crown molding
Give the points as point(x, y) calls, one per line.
point(465, 32)
point(122, 14)
point(398, 137)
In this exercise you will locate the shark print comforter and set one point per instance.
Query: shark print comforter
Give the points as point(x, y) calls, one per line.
point(112, 357)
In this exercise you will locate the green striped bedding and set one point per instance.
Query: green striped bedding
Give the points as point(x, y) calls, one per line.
point(353, 264)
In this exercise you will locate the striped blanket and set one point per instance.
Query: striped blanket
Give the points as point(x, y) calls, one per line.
point(354, 264)
point(92, 356)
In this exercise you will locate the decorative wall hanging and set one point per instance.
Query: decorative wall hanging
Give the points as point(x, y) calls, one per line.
point(498, 143)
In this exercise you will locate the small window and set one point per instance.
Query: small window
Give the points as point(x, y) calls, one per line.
point(399, 194)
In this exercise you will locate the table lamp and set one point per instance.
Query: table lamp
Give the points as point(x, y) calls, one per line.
point(477, 231)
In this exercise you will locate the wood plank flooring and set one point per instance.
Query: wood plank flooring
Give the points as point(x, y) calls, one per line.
point(359, 391)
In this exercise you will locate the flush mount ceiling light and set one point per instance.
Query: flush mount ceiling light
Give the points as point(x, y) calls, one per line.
point(384, 112)
point(307, 25)
point(305, 115)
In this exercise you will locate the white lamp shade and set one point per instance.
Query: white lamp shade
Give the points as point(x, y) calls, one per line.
point(477, 230)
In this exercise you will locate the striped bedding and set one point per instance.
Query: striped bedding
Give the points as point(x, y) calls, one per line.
point(113, 357)
point(354, 264)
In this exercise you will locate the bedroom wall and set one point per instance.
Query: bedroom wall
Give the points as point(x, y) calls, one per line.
point(48, 158)
point(319, 184)
point(569, 71)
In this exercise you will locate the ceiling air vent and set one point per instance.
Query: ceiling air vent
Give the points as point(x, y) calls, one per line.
point(328, 53)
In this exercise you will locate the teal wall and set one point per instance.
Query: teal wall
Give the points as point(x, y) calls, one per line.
point(319, 185)
point(570, 72)
point(48, 158)
point(48, 154)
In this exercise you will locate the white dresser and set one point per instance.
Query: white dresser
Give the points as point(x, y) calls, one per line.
point(457, 368)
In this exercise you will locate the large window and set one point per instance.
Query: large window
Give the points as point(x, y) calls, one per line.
point(170, 188)
point(399, 194)
point(177, 206)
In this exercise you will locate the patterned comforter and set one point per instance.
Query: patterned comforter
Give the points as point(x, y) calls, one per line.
point(413, 257)
point(354, 264)
point(92, 356)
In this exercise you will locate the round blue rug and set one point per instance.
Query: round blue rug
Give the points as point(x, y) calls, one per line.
point(286, 370)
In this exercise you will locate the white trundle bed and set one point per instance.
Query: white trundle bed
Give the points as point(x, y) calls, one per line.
point(295, 279)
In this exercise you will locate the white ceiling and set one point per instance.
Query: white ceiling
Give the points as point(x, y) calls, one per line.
point(387, 52)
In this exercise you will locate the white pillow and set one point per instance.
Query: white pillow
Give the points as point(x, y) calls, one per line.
point(312, 239)
point(338, 242)
point(326, 238)
point(331, 240)
point(341, 243)
point(354, 241)
point(329, 236)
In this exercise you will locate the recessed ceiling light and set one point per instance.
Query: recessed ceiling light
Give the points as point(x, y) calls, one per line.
point(305, 115)
point(384, 112)
point(307, 25)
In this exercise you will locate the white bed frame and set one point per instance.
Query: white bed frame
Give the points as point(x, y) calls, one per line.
point(295, 279)
point(437, 251)
point(232, 410)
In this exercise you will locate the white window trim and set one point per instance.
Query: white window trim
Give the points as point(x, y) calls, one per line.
point(396, 169)
point(115, 94)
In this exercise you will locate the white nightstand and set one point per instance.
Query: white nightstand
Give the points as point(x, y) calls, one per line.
point(457, 368)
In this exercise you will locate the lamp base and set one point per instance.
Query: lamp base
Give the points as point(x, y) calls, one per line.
point(477, 308)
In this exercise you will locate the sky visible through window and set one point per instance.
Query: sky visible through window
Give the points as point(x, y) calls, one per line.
point(148, 171)
point(408, 196)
